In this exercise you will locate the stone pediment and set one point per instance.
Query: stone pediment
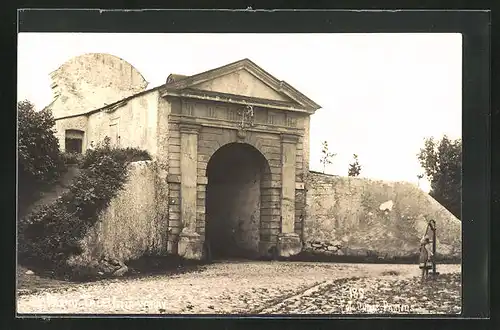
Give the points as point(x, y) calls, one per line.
point(240, 80)
point(243, 83)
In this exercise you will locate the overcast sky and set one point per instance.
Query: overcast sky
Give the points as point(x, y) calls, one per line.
point(381, 94)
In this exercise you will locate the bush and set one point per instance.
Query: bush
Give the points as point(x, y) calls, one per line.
point(52, 234)
point(120, 154)
point(40, 163)
point(46, 236)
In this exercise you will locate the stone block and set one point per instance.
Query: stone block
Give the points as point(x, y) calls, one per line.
point(172, 246)
point(121, 271)
point(266, 248)
point(190, 245)
point(289, 244)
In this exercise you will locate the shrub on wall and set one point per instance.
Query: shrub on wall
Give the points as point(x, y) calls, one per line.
point(354, 167)
point(51, 235)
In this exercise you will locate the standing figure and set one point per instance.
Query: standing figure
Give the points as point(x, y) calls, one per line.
point(425, 259)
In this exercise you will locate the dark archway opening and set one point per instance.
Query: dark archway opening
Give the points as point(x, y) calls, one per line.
point(73, 145)
point(233, 201)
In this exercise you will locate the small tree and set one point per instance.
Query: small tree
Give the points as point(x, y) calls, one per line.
point(442, 162)
point(354, 168)
point(327, 157)
point(39, 159)
point(419, 177)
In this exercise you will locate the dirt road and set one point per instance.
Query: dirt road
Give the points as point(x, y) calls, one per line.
point(259, 288)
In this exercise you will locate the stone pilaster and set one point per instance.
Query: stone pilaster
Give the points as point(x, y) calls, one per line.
point(288, 158)
point(288, 241)
point(190, 243)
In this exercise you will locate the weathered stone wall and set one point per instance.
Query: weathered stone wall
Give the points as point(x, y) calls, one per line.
point(361, 217)
point(245, 212)
point(130, 227)
point(91, 81)
point(162, 164)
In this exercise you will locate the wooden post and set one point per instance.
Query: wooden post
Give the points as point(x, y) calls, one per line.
point(432, 224)
point(434, 250)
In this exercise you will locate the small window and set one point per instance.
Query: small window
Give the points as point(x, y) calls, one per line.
point(73, 141)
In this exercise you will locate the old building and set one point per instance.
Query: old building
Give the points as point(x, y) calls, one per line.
point(231, 148)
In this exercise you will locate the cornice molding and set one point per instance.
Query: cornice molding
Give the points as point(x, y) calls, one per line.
point(236, 99)
point(225, 124)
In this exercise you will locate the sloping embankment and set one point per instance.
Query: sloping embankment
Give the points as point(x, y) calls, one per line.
point(48, 197)
point(361, 217)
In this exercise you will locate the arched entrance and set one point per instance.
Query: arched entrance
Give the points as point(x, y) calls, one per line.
point(236, 173)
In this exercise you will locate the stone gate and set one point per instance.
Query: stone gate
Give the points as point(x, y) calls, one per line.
point(242, 111)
